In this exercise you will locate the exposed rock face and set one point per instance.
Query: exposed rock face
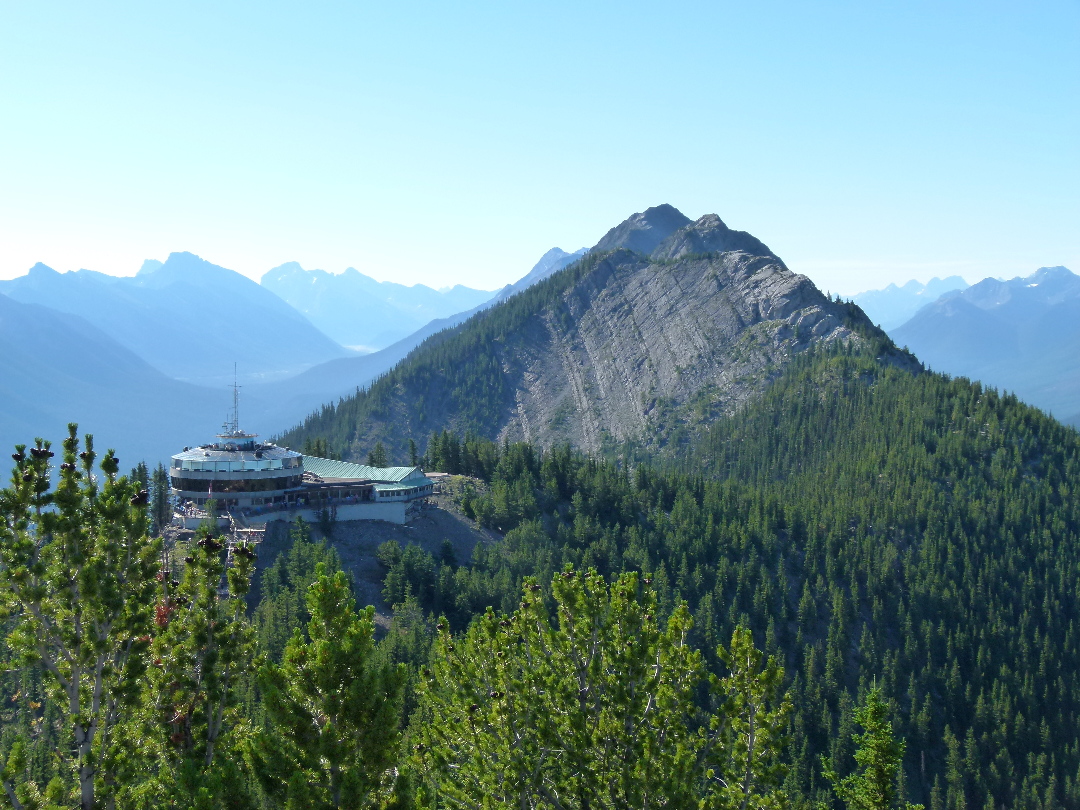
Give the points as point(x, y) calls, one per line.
point(710, 235)
point(625, 345)
point(651, 337)
point(643, 233)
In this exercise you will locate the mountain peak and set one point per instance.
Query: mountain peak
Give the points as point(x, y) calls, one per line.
point(643, 232)
point(709, 234)
point(1056, 273)
point(282, 271)
point(40, 269)
point(626, 347)
point(186, 257)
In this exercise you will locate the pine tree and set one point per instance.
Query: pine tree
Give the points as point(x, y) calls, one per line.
point(333, 708)
point(878, 755)
point(591, 713)
point(140, 475)
point(201, 656)
point(377, 457)
point(77, 572)
point(750, 730)
point(160, 499)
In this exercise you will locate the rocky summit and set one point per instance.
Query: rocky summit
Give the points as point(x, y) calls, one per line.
point(663, 325)
point(704, 321)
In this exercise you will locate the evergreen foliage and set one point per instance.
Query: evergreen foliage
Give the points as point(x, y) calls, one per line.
point(202, 655)
point(868, 524)
point(594, 710)
point(283, 588)
point(160, 499)
point(751, 729)
point(332, 708)
point(878, 755)
point(77, 579)
point(319, 447)
point(377, 457)
point(905, 547)
point(454, 378)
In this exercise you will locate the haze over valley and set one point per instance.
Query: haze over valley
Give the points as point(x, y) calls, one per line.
point(1019, 335)
point(155, 353)
point(540, 406)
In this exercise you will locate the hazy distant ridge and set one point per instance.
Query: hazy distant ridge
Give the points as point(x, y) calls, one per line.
point(893, 306)
point(360, 312)
point(1022, 335)
point(186, 317)
point(57, 368)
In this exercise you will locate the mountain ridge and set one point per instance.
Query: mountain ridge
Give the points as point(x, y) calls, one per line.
point(58, 368)
point(616, 346)
point(212, 316)
point(896, 304)
point(391, 310)
point(1020, 334)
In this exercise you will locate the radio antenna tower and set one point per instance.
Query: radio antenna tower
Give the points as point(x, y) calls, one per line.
point(235, 427)
point(231, 429)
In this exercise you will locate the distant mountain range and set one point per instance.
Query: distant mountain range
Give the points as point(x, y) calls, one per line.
point(57, 368)
point(623, 346)
point(635, 342)
point(551, 262)
point(362, 313)
point(894, 306)
point(286, 402)
point(144, 362)
point(1022, 335)
point(188, 318)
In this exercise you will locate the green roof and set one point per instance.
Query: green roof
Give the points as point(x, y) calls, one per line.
point(328, 468)
point(402, 485)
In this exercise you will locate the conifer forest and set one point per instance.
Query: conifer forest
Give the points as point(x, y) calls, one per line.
point(858, 591)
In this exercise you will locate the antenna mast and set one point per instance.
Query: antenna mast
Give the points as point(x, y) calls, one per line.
point(235, 402)
point(230, 431)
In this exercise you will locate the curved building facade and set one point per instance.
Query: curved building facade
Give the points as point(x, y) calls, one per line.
point(236, 471)
point(262, 481)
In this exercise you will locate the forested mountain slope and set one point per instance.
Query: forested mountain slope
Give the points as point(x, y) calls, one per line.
point(870, 521)
point(619, 347)
point(870, 525)
point(288, 401)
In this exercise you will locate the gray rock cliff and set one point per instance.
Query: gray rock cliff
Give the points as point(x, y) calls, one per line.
point(652, 341)
point(622, 346)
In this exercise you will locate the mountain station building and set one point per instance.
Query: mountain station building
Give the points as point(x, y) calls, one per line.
point(261, 482)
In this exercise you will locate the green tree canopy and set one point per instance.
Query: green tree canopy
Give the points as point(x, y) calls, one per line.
point(77, 579)
point(594, 711)
point(878, 754)
point(333, 708)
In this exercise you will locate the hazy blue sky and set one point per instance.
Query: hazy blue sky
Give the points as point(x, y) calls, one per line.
point(864, 142)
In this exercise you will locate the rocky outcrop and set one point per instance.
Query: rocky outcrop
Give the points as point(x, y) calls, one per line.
point(655, 342)
point(665, 325)
point(643, 232)
point(710, 235)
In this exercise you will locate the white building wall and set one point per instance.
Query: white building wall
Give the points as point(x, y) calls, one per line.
point(390, 512)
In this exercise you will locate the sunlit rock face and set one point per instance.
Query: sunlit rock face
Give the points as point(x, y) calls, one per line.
point(708, 318)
